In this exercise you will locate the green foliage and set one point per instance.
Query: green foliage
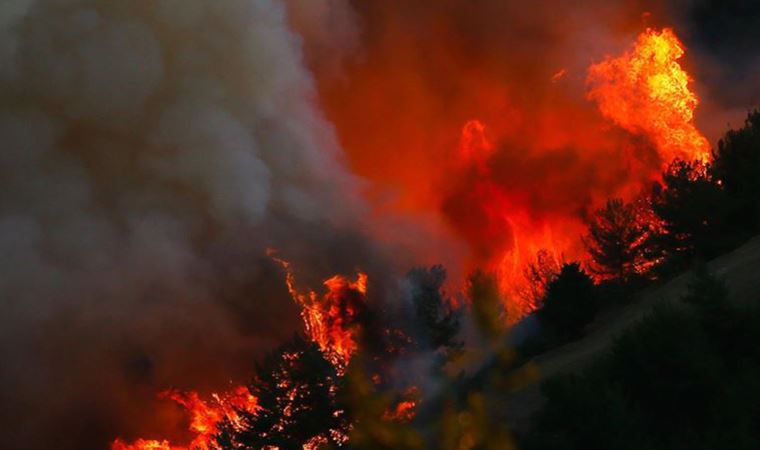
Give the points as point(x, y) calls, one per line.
point(616, 240)
point(687, 377)
point(571, 302)
point(297, 391)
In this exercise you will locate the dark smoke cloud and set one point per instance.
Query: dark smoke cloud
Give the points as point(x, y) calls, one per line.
point(151, 152)
point(723, 39)
point(726, 34)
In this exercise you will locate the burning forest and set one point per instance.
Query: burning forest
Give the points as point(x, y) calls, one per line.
point(278, 225)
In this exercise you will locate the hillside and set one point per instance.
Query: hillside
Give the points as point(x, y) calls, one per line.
point(739, 269)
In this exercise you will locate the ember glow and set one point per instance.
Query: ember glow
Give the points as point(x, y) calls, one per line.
point(204, 415)
point(330, 320)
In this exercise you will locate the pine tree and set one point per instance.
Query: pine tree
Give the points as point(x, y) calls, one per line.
point(617, 240)
point(737, 168)
point(298, 402)
point(695, 214)
point(436, 320)
point(570, 303)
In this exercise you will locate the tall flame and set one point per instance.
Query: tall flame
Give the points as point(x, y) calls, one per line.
point(646, 91)
point(512, 237)
point(330, 320)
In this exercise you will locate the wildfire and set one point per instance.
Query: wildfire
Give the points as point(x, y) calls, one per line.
point(505, 236)
point(143, 444)
point(646, 91)
point(205, 417)
point(330, 320)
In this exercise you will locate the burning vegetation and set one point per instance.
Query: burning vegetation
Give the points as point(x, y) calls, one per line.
point(473, 175)
point(331, 321)
point(645, 91)
point(206, 417)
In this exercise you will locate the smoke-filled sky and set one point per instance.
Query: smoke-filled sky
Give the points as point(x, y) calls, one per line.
point(153, 150)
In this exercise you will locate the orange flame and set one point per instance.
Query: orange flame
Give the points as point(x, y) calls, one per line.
point(512, 237)
point(205, 417)
point(646, 91)
point(143, 444)
point(330, 320)
point(402, 412)
point(406, 407)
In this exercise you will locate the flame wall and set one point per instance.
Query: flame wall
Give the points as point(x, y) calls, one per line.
point(425, 70)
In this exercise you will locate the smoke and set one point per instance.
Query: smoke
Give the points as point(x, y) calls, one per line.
point(424, 69)
point(723, 40)
point(151, 152)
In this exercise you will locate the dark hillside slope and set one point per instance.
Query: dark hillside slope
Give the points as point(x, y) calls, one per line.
point(740, 270)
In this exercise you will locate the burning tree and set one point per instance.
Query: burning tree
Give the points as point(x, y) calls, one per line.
point(539, 274)
point(206, 418)
point(332, 320)
point(298, 403)
point(618, 240)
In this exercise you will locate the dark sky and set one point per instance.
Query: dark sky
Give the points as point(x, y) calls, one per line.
point(726, 35)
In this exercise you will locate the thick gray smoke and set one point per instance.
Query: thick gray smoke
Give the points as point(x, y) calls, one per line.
point(150, 152)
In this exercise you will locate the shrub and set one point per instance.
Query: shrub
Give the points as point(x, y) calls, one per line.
point(570, 302)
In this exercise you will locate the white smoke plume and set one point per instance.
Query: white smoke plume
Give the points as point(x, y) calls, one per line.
point(150, 151)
